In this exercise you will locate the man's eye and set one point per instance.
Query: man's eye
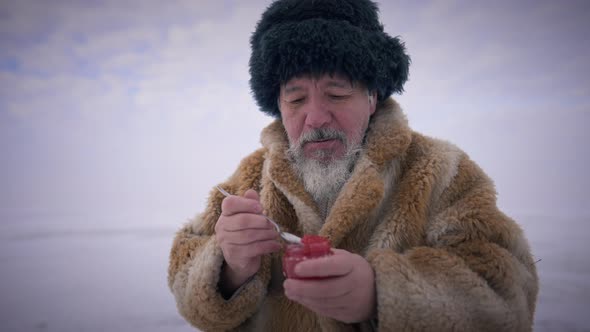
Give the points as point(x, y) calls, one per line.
point(297, 101)
point(338, 97)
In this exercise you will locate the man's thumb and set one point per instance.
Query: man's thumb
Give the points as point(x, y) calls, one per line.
point(251, 194)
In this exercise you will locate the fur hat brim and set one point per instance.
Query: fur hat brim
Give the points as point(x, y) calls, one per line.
point(319, 46)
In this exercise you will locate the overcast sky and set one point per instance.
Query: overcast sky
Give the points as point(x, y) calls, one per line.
point(136, 108)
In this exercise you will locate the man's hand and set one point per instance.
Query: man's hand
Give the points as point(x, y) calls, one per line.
point(244, 235)
point(347, 295)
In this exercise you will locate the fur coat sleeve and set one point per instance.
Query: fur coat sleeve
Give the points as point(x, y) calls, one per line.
point(472, 271)
point(196, 261)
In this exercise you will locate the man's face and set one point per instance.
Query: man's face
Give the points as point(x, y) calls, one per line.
point(325, 116)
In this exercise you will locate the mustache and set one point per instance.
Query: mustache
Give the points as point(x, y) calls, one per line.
point(321, 134)
point(295, 150)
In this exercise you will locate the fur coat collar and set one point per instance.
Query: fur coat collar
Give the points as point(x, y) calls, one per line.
point(361, 197)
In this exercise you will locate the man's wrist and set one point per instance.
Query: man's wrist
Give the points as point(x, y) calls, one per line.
point(231, 279)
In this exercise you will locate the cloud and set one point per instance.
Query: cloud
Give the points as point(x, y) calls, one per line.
point(158, 63)
point(488, 50)
point(137, 105)
point(123, 116)
point(507, 82)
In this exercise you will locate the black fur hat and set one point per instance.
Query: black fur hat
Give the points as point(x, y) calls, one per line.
point(294, 37)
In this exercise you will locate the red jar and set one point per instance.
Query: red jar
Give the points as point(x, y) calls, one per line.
point(312, 246)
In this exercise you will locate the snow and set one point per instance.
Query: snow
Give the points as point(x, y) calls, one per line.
point(59, 276)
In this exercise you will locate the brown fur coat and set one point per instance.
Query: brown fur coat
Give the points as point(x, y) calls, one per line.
point(422, 213)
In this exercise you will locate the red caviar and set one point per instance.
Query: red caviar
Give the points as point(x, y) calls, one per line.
point(312, 246)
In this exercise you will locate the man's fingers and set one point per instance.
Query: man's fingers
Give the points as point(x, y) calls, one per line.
point(350, 296)
point(252, 194)
point(250, 236)
point(339, 264)
point(323, 290)
point(235, 204)
point(233, 252)
point(245, 221)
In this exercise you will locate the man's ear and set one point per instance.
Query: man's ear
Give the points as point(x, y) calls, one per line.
point(373, 101)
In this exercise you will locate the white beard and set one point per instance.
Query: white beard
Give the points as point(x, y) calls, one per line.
point(324, 180)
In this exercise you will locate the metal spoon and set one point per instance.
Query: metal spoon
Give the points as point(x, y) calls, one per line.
point(286, 236)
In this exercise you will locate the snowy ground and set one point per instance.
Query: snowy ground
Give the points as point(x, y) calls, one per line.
point(56, 277)
point(93, 279)
point(562, 245)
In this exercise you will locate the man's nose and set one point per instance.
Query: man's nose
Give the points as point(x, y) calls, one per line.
point(318, 114)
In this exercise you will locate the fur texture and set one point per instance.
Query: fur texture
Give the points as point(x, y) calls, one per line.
point(328, 36)
point(421, 212)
